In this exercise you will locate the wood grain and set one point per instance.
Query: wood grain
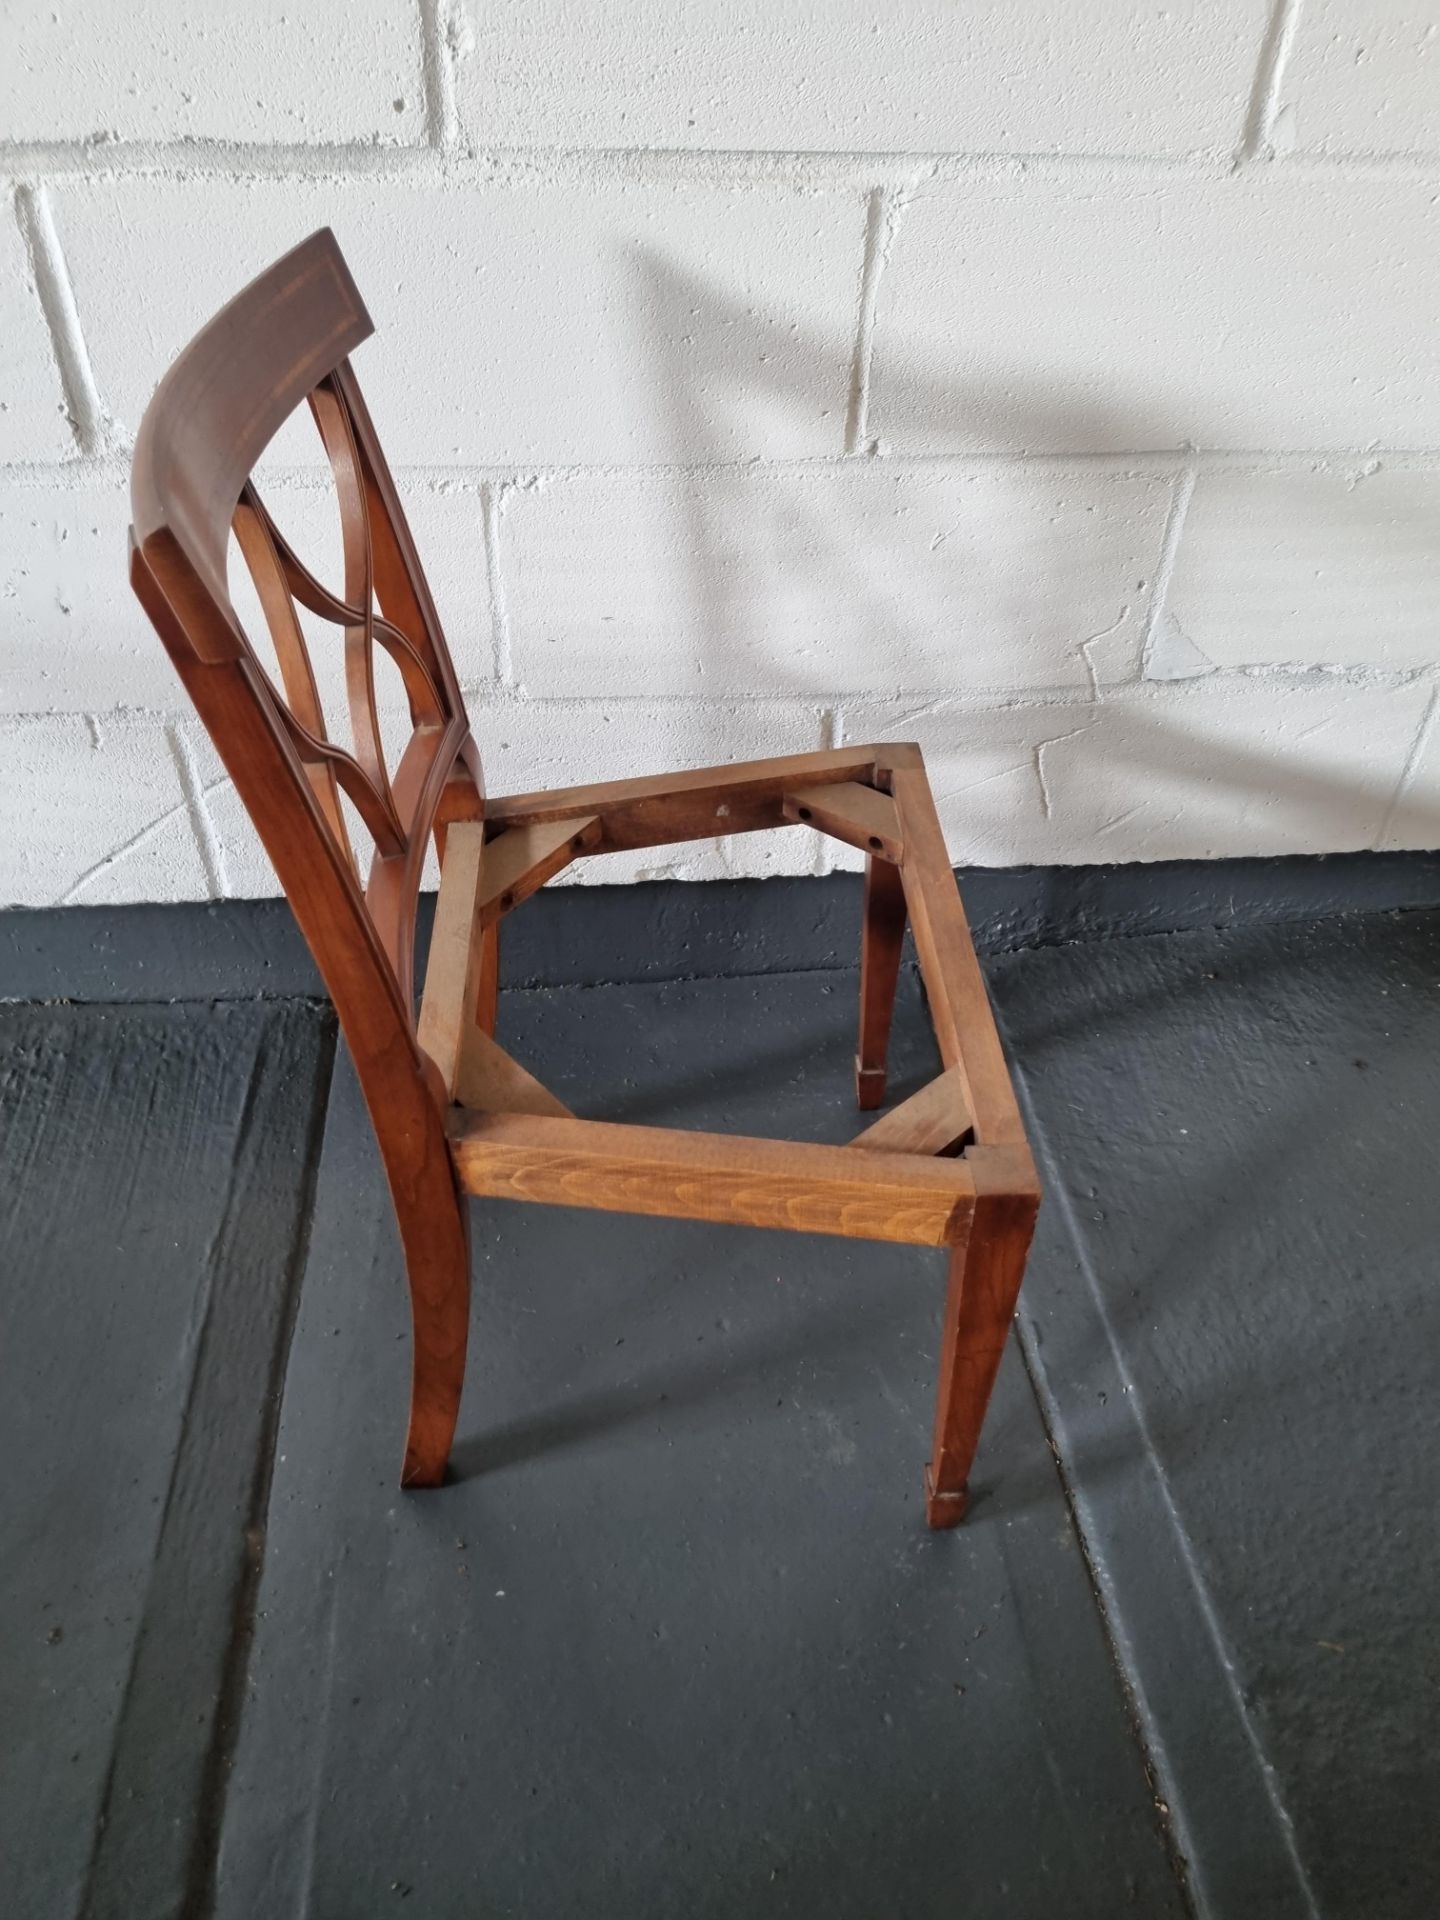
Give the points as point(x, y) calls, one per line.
point(452, 975)
point(706, 1176)
point(377, 1024)
point(696, 805)
point(492, 1081)
point(984, 1282)
point(934, 1120)
point(487, 990)
point(959, 1003)
point(281, 342)
point(859, 815)
point(520, 860)
point(882, 941)
point(449, 1105)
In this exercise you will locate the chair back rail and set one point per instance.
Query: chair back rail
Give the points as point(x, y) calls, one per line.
point(285, 342)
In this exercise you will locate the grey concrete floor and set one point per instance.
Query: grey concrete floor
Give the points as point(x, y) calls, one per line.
point(675, 1639)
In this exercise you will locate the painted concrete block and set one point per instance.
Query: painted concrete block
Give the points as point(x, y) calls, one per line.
point(1200, 772)
point(1363, 77)
point(532, 743)
point(982, 766)
point(556, 324)
point(449, 535)
point(1414, 817)
point(711, 578)
point(1311, 568)
point(244, 70)
point(1211, 772)
point(94, 811)
point(856, 578)
point(75, 639)
point(558, 743)
point(1041, 314)
point(33, 423)
point(911, 76)
point(246, 872)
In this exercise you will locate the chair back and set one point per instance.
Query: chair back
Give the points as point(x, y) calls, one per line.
point(283, 342)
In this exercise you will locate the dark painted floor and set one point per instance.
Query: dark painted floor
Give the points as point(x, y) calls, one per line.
point(676, 1640)
point(1233, 1317)
point(152, 1234)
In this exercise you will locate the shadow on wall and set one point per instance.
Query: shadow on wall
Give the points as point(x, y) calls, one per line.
point(1147, 769)
point(996, 609)
point(673, 307)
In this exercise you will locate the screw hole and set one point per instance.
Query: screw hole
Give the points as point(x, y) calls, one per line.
point(876, 842)
point(804, 813)
point(507, 899)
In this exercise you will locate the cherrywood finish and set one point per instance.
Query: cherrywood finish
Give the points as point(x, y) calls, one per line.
point(882, 941)
point(284, 341)
point(959, 1004)
point(522, 859)
point(934, 1120)
point(487, 995)
point(714, 1176)
point(860, 815)
point(985, 1274)
point(687, 806)
point(454, 1113)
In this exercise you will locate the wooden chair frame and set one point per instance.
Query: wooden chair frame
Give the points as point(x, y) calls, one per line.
point(454, 1113)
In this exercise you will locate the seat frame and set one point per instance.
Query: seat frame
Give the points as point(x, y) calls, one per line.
point(455, 1115)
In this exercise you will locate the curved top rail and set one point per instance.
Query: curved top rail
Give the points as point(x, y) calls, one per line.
point(283, 342)
point(227, 395)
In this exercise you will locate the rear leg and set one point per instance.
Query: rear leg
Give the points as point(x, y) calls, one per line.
point(881, 939)
point(434, 1228)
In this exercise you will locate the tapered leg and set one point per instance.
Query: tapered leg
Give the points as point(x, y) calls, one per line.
point(434, 1231)
point(985, 1275)
point(881, 939)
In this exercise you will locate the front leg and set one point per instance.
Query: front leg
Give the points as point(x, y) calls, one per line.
point(985, 1275)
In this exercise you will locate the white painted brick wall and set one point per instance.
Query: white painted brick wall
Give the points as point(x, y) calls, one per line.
point(521, 323)
point(1001, 76)
point(1245, 311)
point(98, 810)
point(33, 419)
point(868, 578)
point(1057, 384)
point(1364, 77)
point(1351, 568)
point(1203, 772)
point(163, 70)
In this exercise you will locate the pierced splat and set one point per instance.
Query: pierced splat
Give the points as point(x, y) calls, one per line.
point(390, 807)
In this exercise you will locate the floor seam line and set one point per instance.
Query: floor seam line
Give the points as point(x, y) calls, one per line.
point(199, 1901)
point(1057, 1196)
point(92, 1888)
point(988, 953)
point(1165, 1811)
